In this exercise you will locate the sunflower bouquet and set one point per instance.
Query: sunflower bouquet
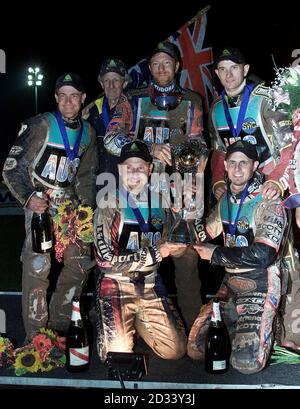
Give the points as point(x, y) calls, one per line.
point(285, 90)
point(72, 224)
point(45, 352)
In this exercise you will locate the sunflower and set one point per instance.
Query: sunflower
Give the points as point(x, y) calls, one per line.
point(48, 332)
point(27, 361)
point(84, 214)
point(85, 231)
point(65, 207)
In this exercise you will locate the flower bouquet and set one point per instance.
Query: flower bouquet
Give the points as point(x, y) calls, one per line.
point(284, 96)
point(283, 355)
point(285, 90)
point(45, 352)
point(6, 353)
point(72, 224)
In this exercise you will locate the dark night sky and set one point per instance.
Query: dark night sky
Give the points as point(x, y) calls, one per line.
point(80, 38)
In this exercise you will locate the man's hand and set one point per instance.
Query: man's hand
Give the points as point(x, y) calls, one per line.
point(219, 191)
point(205, 250)
point(270, 191)
point(38, 204)
point(167, 248)
point(162, 152)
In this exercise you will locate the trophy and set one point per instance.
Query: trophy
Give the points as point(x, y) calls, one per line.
point(187, 153)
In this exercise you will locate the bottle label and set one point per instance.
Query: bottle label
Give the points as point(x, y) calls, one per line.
point(79, 356)
point(219, 365)
point(46, 245)
point(216, 314)
point(76, 316)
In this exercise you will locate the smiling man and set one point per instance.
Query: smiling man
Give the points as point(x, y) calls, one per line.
point(130, 244)
point(156, 115)
point(55, 152)
point(242, 112)
point(254, 232)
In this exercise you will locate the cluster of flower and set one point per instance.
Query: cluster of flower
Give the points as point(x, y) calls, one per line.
point(285, 90)
point(45, 352)
point(72, 225)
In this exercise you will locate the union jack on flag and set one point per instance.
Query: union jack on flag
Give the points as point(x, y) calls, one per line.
point(197, 57)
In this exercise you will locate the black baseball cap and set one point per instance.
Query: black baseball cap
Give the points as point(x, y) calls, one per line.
point(113, 65)
point(169, 48)
point(71, 79)
point(135, 149)
point(245, 147)
point(232, 54)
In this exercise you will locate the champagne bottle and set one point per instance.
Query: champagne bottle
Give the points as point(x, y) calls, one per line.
point(41, 230)
point(217, 347)
point(77, 345)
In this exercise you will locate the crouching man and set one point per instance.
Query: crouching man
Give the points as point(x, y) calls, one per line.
point(254, 232)
point(130, 296)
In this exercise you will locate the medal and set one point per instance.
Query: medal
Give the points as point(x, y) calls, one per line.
point(145, 242)
point(72, 169)
point(230, 240)
point(230, 237)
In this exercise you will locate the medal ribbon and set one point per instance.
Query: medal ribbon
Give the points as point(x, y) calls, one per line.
point(105, 115)
point(232, 226)
point(70, 153)
point(144, 226)
point(242, 112)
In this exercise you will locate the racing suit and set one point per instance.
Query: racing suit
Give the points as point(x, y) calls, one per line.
point(39, 159)
point(272, 133)
point(130, 294)
point(140, 118)
point(99, 114)
point(251, 289)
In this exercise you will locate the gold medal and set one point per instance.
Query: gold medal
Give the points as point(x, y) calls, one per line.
point(72, 169)
point(145, 242)
point(230, 240)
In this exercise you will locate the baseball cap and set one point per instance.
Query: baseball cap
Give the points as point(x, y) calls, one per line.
point(113, 65)
point(245, 147)
point(232, 54)
point(135, 149)
point(168, 48)
point(70, 79)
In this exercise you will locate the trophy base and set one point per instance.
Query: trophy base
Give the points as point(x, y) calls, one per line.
point(182, 232)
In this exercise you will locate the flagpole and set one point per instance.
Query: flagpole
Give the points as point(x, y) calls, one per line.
point(200, 13)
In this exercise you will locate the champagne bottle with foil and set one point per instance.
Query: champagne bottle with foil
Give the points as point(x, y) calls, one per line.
point(41, 230)
point(77, 345)
point(217, 347)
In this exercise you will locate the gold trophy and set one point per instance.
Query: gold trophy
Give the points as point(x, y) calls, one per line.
point(188, 154)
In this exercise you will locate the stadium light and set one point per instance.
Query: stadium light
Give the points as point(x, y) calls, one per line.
point(34, 78)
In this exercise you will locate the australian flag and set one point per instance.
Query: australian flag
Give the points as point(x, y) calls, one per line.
point(197, 59)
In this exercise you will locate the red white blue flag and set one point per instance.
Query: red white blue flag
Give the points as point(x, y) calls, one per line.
point(197, 59)
point(197, 56)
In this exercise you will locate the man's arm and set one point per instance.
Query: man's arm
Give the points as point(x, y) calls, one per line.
point(109, 256)
point(271, 224)
point(18, 167)
point(279, 130)
point(117, 133)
